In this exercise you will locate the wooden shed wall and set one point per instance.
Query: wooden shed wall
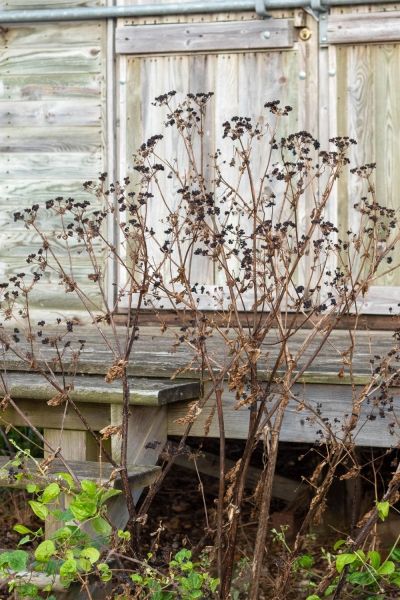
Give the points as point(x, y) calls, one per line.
point(52, 131)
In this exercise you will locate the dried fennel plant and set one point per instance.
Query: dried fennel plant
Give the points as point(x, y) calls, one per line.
point(234, 238)
point(254, 215)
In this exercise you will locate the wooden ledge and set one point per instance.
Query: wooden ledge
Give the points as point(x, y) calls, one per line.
point(93, 388)
point(139, 476)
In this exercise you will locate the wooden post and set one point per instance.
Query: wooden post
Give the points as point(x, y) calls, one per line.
point(147, 436)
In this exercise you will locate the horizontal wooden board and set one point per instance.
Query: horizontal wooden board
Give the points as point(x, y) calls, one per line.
point(157, 355)
point(22, 194)
point(58, 139)
point(42, 4)
point(44, 62)
point(364, 27)
point(54, 86)
point(204, 37)
point(63, 165)
point(332, 402)
point(55, 113)
point(52, 35)
point(94, 389)
point(139, 476)
point(38, 413)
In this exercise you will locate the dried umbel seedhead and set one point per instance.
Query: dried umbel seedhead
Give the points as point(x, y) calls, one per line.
point(117, 371)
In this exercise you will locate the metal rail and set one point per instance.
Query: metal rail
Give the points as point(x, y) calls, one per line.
point(177, 8)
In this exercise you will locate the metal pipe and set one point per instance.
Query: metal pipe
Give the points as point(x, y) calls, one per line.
point(157, 10)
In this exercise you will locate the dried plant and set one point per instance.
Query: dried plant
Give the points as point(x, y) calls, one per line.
point(242, 251)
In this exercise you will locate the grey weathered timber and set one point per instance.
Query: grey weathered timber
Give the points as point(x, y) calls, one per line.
point(316, 414)
point(210, 37)
point(37, 412)
point(139, 476)
point(94, 389)
point(206, 463)
point(371, 27)
point(157, 355)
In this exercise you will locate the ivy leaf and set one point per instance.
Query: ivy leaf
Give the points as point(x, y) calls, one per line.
point(39, 509)
point(45, 550)
point(344, 559)
point(50, 493)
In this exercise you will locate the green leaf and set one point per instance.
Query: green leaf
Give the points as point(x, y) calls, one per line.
point(45, 550)
point(109, 494)
point(338, 544)
point(28, 590)
point(83, 508)
point(344, 559)
point(89, 487)
point(18, 560)
point(63, 533)
point(50, 493)
point(383, 509)
point(313, 597)
point(105, 571)
point(31, 488)
point(387, 568)
point(305, 561)
point(24, 540)
point(22, 529)
point(395, 554)
point(67, 477)
point(68, 569)
point(39, 509)
point(92, 554)
point(374, 558)
point(101, 526)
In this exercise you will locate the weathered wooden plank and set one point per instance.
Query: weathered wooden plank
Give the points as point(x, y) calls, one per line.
point(364, 27)
point(208, 464)
point(330, 402)
point(52, 35)
point(155, 355)
point(53, 86)
point(55, 139)
point(43, 62)
point(44, 114)
point(209, 37)
point(42, 4)
point(38, 412)
point(143, 392)
point(139, 476)
point(47, 165)
point(18, 194)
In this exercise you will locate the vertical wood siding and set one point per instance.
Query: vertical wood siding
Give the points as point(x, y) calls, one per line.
point(368, 110)
point(52, 133)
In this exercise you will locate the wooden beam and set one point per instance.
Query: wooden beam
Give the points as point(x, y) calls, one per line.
point(208, 464)
point(86, 388)
point(39, 413)
point(355, 28)
point(318, 410)
point(204, 37)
